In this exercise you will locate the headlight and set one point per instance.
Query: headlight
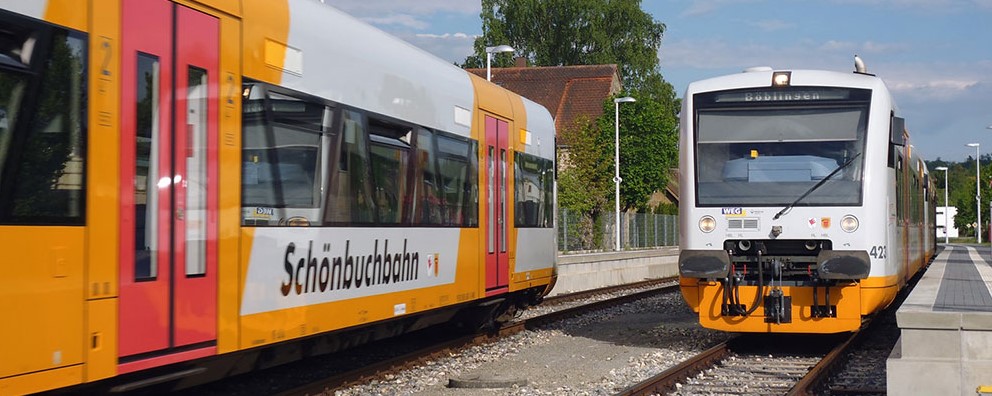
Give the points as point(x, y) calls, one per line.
point(849, 223)
point(707, 224)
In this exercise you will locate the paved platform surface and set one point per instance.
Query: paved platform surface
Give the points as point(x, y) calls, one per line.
point(962, 287)
point(945, 346)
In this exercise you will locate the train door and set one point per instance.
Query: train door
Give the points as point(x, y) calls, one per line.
point(168, 189)
point(496, 157)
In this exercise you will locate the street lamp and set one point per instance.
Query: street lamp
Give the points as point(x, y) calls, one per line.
point(616, 162)
point(946, 216)
point(990, 202)
point(978, 191)
point(489, 58)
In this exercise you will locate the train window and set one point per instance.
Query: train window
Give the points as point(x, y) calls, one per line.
point(351, 197)
point(491, 198)
point(534, 190)
point(427, 205)
point(299, 167)
point(196, 172)
point(296, 112)
point(282, 159)
point(42, 124)
point(458, 167)
point(146, 175)
point(900, 186)
point(502, 200)
point(14, 88)
point(389, 158)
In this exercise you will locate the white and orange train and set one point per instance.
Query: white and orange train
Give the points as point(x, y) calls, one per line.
point(192, 183)
point(804, 208)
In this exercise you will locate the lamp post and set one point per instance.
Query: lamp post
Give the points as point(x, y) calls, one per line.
point(946, 216)
point(978, 191)
point(489, 58)
point(616, 163)
point(990, 204)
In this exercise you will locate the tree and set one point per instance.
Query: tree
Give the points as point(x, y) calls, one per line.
point(573, 32)
point(648, 146)
point(961, 191)
point(585, 181)
point(586, 32)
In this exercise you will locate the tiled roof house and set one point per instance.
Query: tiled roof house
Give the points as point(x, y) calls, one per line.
point(566, 91)
point(569, 92)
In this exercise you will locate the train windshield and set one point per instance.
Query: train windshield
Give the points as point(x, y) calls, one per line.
point(770, 156)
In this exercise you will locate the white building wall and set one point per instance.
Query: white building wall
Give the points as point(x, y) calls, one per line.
point(950, 211)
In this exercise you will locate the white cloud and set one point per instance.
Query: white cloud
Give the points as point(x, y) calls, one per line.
point(452, 47)
point(873, 47)
point(702, 7)
point(942, 127)
point(927, 6)
point(939, 89)
point(771, 25)
point(398, 20)
point(936, 81)
point(920, 80)
point(419, 7)
point(717, 53)
point(867, 47)
point(446, 36)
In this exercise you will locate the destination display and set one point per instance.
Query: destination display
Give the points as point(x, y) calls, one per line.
point(776, 95)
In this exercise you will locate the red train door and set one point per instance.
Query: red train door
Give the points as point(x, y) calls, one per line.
point(496, 163)
point(168, 277)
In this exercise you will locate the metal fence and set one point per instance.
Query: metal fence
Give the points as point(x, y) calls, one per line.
point(640, 230)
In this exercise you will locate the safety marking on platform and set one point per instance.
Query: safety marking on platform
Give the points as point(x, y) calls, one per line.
point(985, 270)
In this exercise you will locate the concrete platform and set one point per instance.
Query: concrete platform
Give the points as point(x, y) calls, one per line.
point(946, 325)
point(578, 272)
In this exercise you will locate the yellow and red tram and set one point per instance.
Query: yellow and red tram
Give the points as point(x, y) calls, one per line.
point(184, 181)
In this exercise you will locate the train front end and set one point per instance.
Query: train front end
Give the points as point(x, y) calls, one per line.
point(780, 225)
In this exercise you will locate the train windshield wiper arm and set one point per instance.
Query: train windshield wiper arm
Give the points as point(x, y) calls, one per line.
point(815, 186)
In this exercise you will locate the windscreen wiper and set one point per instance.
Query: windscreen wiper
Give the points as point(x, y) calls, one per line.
point(816, 186)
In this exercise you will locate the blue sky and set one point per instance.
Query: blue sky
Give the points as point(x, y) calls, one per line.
point(935, 55)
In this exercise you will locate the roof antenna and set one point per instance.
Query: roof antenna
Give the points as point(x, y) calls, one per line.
point(859, 65)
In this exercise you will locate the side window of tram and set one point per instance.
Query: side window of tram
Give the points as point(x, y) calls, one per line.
point(900, 185)
point(350, 198)
point(42, 153)
point(458, 170)
point(534, 191)
point(146, 201)
point(427, 205)
point(390, 152)
point(282, 158)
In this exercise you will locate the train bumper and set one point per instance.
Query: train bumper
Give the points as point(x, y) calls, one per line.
point(704, 263)
point(843, 264)
point(845, 301)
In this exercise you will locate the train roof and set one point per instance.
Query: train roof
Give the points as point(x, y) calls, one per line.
point(762, 77)
point(349, 61)
point(333, 55)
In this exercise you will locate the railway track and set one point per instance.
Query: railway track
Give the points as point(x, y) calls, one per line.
point(383, 368)
point(859, 367)
point(855, 365)
point(442, 344)
point(748, 364)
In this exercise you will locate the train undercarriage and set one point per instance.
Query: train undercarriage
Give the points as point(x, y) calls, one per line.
point(771, 278)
